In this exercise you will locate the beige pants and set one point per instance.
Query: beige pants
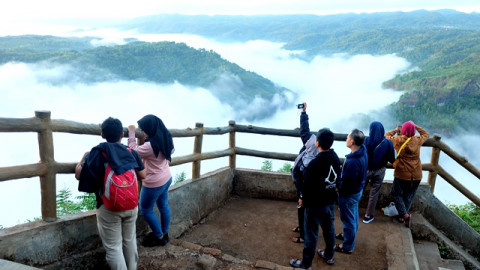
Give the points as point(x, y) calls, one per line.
point(118, 233)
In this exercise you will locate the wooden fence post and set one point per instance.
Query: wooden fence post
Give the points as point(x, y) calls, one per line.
point(432, 175)
point(197, 149)
point(47, 181)
point(233, 158)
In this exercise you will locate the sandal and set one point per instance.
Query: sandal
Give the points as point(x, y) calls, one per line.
point(339, 236)
point(321, 253)
point(297, 263)
point(296, 229)
point(408, 221)
point(340, 249)
point(297, 240)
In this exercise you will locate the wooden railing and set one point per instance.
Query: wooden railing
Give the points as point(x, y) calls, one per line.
point(48, 168)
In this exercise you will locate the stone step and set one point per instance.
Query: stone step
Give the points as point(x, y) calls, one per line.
point(422, 229)
point(4, 264)
point(429, 257)
point(400, 251)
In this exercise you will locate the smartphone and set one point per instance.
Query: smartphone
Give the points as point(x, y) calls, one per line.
point(300, 106)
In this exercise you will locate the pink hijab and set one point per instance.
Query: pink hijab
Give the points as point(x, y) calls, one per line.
point(408, 129)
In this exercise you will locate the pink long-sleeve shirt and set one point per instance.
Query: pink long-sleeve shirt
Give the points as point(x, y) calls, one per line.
point(158, 170)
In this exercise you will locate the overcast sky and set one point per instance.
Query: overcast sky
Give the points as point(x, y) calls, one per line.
point(22, 10)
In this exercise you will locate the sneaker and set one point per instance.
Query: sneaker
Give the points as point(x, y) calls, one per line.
point(151, 240)
point(367, 219)
point(164, 240)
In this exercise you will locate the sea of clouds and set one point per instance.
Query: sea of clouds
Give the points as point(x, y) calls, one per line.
point(339, 90)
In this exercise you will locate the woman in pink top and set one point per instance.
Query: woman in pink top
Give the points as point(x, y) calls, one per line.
point(156, 155)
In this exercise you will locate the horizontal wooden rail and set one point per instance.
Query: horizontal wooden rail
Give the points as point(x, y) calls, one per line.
point(456, 184)
point(262, 154)
point(22, 171)
point(47, 168)
point(20, 125)
point(202, 156)
point(459, 159)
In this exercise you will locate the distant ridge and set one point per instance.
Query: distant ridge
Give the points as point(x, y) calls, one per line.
point(442, 88)
point(157, 62)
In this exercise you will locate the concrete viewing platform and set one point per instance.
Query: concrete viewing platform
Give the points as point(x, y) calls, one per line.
point(251, 233)
point(243, 219)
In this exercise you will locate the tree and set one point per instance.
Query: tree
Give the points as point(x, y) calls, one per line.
point(88, 201)
point(267, 165)
point(65, 205)
point(286, 168)
point(180, 177)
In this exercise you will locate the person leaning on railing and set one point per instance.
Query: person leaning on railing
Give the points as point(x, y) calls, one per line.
point(380, 151)
point(408, 171)
point(156, 153)
point(117, 228)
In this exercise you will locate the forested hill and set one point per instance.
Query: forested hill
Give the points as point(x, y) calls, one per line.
point(159, 62)
point(443, 88)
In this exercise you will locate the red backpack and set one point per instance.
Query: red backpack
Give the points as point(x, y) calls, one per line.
point(120, 190)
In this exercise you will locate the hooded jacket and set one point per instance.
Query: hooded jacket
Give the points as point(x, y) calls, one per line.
point(93, 168)
point(409, 165)
point(321, 177)
point(379, 149)
point(308, 152)
point(354, 172)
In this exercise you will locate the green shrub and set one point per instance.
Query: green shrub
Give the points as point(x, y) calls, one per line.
point(180, 177)
point(286, 168)
point(266, 165)
point(470, 213)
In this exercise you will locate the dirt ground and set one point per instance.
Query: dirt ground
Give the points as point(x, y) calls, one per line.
point(247, 230)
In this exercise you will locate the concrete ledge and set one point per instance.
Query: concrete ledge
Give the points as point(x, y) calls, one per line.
point(39, 243)
point(422, 229)
point(4, 264)
point(447, 222)
point(263, 184)
point(72, 241)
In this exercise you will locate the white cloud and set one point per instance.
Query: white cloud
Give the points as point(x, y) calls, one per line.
point(334, 88)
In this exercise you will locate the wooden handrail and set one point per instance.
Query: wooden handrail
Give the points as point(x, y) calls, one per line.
point(48, 168)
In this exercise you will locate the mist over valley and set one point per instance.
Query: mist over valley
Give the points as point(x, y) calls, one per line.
point(187, 76)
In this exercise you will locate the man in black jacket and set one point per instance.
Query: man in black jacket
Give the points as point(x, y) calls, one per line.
point(319, 197)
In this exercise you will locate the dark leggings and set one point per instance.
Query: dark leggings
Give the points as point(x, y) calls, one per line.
point(402, 193)
point(301, 215)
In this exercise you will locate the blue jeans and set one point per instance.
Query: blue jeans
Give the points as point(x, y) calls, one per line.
point(314, 217)
point(148, 198)
point(402, 193)
point(348, 206)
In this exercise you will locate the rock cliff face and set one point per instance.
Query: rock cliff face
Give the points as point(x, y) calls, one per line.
point(439, 97)
point(442, 110)
point(473, 87)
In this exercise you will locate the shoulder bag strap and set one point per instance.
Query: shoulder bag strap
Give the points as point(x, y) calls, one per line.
point(403, 146)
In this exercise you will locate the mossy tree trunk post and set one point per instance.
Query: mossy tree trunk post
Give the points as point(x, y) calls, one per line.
point(231, 144)
point(47, 180)
point(197, 149)
point(432, 175)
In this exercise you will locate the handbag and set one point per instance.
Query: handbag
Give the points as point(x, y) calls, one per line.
point(390, 210)
point(399, 151)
